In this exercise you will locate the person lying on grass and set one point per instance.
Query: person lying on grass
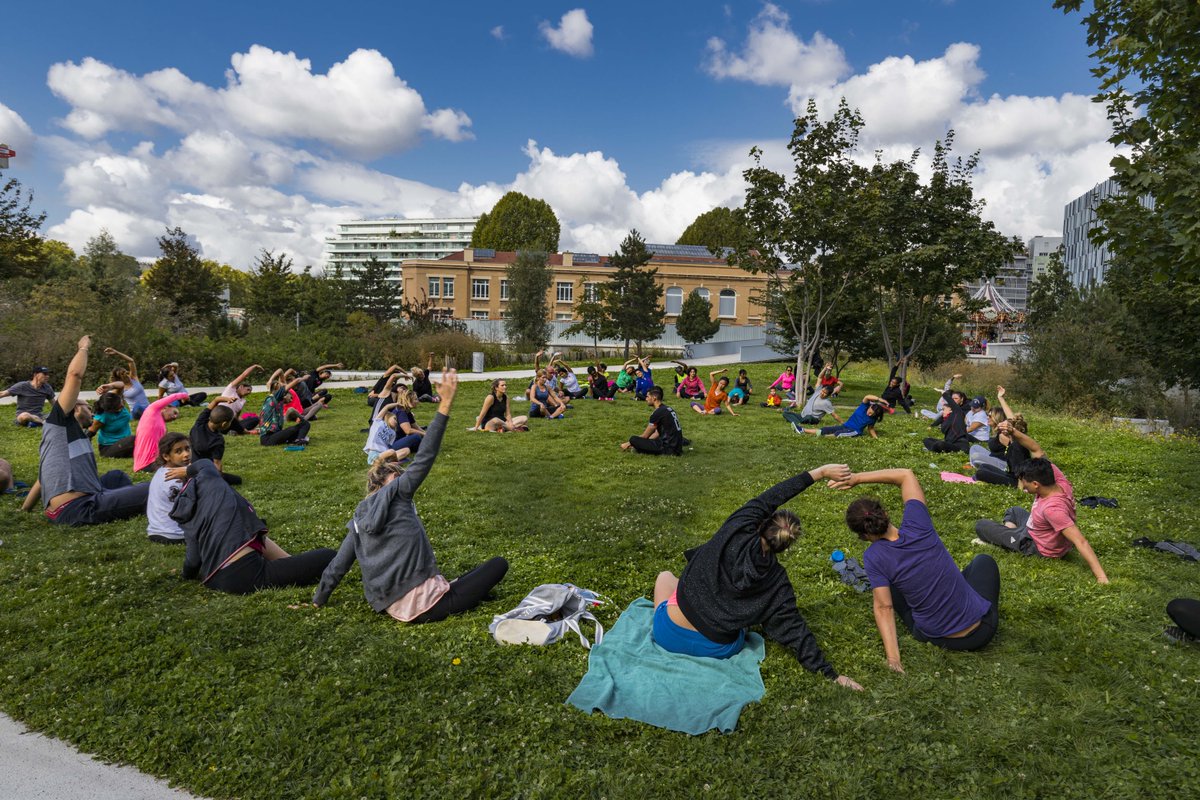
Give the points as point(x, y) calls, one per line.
point(718, 395)
point(734, 581)
point(864, 418)
point(663, 434)
point(496, 415)
point(400, 575)
point(913, 575)
point(175, 455)
point(1049, 528)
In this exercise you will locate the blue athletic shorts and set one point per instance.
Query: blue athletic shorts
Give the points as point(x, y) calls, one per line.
point(676, 639)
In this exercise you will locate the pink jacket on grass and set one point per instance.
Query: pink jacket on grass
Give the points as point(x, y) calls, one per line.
point(150, 429)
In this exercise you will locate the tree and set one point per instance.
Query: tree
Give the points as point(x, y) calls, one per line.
point(235, 281)
point(695, 323)
point(632, 297)
point(809, 224)
point(715, 229)
point(931, 240)
point(425, 316)
point(20, 242)
point(851, 332)
point(190, 287)
point(374, 294)
point(1147, 53)
point(591, 318)
point(1160, 324)
point(271, 286)
point(110, 273)
point(1050, 293)
point(528, 281)
point(322, 300)
point(518, 222)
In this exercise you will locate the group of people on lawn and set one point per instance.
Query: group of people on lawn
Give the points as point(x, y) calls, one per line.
point(731, 583)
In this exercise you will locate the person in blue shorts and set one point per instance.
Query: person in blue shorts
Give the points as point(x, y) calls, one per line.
point(863, 419)
point(735, 581)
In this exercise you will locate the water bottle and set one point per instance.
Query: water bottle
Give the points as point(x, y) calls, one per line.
point(849, 571)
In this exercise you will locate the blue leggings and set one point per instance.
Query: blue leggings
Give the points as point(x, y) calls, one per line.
point(412, 441)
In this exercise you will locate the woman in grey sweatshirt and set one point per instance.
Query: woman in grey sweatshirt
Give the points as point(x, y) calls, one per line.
point(399, 572)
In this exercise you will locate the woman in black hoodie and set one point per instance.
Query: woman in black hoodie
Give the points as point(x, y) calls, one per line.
point(734, 581)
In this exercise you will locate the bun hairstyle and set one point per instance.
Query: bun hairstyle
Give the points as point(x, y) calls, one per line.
point(108, 403)
point(377, 476)
point(1018, 422)
point(867, 517)
point(779, 530)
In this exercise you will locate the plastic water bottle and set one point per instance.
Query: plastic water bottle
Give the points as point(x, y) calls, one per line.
point(849, 571)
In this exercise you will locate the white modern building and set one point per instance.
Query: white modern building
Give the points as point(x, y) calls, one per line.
point(392, 240)
point(1086, 263)
point(1040, 249)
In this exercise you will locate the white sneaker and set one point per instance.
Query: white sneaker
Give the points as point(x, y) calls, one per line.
point(522, 631)
point(978, 541)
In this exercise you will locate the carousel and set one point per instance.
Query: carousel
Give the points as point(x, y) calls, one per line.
point(995, 321)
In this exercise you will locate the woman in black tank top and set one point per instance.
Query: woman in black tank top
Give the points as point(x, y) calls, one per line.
point(495, 414)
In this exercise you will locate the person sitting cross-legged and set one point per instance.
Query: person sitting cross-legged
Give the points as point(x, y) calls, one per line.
point(663, 434)
point(1048, 529)
point(32, 396)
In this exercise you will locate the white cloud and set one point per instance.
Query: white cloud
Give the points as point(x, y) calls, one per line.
point(16, 133)
point(573, 35)
point(1038, 153)
point(498, 33)
point(775, 56)
point(359, 107)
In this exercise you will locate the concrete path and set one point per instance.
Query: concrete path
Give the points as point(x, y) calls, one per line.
point(348, 379)
point(35, 767)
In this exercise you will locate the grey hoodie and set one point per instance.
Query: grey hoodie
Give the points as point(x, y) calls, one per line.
point(387, 537)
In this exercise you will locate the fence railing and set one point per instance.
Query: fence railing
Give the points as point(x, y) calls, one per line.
point(492, 330)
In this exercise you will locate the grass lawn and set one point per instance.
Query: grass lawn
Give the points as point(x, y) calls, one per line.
point(102, 644)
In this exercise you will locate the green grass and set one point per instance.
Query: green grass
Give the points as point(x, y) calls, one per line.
point(102, 644)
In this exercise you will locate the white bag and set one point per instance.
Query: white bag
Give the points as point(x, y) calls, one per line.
point(546, 614)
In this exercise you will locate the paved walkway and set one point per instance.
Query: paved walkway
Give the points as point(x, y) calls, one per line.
point(35, 767)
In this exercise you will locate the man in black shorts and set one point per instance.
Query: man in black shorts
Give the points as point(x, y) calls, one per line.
point(663, 434)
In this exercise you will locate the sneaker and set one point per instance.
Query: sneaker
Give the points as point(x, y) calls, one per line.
point(1178, 635)
point(978, 541)
point(796, 427)
point(522, 631)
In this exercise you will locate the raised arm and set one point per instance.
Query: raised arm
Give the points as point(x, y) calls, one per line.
point(680, 363)
point(130, 364)
point(246, 373)
point(712, 376)
point(338, 365)
point(537, 360)
point(411, 480)
point(275, 376)
point(766, 503)
point(74, 379)
point(906, 479)
point(1024, 439)
point(1004, 406)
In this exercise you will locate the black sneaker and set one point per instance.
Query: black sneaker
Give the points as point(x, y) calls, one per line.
point(1178, 635)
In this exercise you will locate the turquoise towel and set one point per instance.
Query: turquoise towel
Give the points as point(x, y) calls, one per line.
point(631, 677)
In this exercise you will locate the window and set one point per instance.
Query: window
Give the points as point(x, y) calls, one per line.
point(674, 300)
point(563, 316)
point(448, 288)
point(564, 292)
point(480, 288)
point(703, 293)
point(727, 303)
point(479, 315)
point(435, 287)
point(504, 290)
point(505, 315)
point(591, 292)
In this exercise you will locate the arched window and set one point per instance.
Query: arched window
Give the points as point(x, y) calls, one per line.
point(703, 293)
point(674, 300)
point(727, 304)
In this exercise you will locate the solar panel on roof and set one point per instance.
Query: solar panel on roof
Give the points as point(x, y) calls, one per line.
point(684, 250)
point(485, 252)
point(586, 258)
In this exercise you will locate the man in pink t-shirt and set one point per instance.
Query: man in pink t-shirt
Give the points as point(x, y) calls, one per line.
point(151, 427)
point(1049, 528)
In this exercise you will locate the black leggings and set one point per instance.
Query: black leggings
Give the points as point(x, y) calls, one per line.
point(241, 425)
point(989, 474)
point(253, 572)
point(1186, 614)
point(948, 446)
point(983, 576)
point(467, 590)
point(286, 435)
point(122, 448)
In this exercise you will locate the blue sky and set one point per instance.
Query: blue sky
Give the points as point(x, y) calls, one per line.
point(641, 112)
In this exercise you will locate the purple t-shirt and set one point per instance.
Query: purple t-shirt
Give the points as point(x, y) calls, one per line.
point(919, 566)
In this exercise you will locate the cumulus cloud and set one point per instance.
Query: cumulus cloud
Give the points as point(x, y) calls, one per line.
point(16, 133)
point(573, 35)
point(775, 56)
point(359, 107)
point(1038, 153)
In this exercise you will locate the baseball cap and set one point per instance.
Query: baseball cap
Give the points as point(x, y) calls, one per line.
point(36, 370)
point(978, 402)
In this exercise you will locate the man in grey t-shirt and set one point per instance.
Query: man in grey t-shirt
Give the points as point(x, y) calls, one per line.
point(818, 405)
point(32, 396)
